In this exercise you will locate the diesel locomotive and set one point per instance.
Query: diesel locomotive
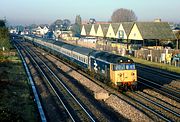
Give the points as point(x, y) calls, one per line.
point(120, 71)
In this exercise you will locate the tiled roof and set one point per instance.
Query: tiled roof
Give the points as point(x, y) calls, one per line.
point(87, 28)
point(104, 28)
point(96, 27)
point(155, 30)
point(127, 27)
point(115, 27)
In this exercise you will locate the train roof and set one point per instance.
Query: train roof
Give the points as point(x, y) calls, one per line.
point(59, 43)
point(68, 46)
point(111, 58)
point(83, 50)
point(47, 40)
point(75, 48)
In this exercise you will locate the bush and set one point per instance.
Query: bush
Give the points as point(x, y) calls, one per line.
point(4, 39)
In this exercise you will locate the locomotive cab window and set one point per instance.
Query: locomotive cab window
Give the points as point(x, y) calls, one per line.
point(119, 67)
point(130, 66)
point(123, 67)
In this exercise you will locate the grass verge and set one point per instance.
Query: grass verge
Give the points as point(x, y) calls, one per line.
point(157, 65)
point(16, 98)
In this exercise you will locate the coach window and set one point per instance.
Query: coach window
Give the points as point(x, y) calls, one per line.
point(85, 60)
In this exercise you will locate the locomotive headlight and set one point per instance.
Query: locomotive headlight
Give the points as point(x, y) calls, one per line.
point(120, 61)
point(133, 73)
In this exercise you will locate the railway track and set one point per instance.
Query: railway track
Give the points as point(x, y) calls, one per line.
point(159, 81)
point(141, 105)
point(120, 95)
point(100, 110)
point(36, 95)
point(73, 107)
point(51, 106)
point(160, 108)
point(167, 76)
point(171, 93)
point(163, 73)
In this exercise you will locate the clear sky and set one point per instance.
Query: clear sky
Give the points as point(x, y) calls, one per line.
point(47, 11)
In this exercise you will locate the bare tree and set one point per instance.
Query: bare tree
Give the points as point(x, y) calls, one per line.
point(123, 15)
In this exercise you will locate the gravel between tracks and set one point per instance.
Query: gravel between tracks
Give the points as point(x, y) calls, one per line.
point(51, 108)
point(127, 110)
point(175, 83)
point(83, 80)
point(162, 97)
point(113, 101)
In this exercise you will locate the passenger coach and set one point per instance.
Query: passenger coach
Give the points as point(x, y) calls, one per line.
point(119, 70)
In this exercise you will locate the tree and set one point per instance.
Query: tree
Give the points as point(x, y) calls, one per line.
point(76, 28)
point(123, 15)
point(4, 36)
point(78, 20)
point(66, 24)
point(56, 25)
point(2, 23)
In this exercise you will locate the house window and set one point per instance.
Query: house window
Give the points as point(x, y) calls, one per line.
point(121, 34)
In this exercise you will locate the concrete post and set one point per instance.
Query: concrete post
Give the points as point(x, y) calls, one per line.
point(177, 44)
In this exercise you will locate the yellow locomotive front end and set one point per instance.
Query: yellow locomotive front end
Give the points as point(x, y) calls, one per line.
point(124, 75)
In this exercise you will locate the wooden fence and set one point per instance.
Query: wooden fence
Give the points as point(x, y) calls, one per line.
point(154, 54)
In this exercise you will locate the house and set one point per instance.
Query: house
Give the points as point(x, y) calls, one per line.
point(42, 30)
point(102, 30)
point(145, 33)
point(57, 33)
point(112, 29)
point(86, 28)
point(176, 32)
point(124, 30)
point(93, 30)
point(130, 35)
point(65, 34)
point(13, 30)
point(62, 34)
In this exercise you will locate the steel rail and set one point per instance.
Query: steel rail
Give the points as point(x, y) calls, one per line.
point(177, 98)
point(51, 86)
point(147, 108)
point(64, 86)
point(37, 100)
point(160, 86)
point(160, 71)
point(159, 105)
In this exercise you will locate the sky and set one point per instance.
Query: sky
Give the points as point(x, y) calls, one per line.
point(27, 12)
